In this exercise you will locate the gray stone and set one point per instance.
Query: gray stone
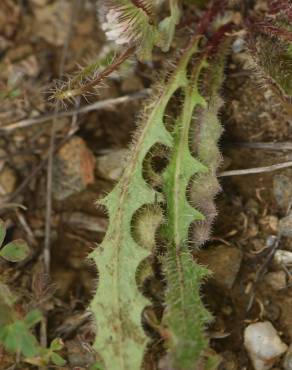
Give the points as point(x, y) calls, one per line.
point(111, 165)
point(282, 188)
point(285, 226)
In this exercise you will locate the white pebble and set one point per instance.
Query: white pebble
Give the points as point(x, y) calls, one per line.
point(263, 345)
point(283, 257)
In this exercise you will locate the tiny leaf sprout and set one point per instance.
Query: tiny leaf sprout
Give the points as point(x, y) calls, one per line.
point(14, 251)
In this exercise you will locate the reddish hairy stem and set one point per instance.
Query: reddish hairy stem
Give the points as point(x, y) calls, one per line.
point(278, 6)
point(99, 78)
point(270, 29)
point(215, 41)
point(216, 8)
point(110, 69)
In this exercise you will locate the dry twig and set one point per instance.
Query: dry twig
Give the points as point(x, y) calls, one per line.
point(250, 171)
point(285, 145)
point(103, 104)
point(47, 241)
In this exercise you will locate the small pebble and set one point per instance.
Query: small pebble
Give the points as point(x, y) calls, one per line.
point(282, 187)
point(276, 280)
point(263, 344)
point(285, 319)
point(271, 239)
point(238, 45)
point(287, 363)
point(7, 181)
point(252, 207)
point(73, 168)
point(283, 257)
point(285, 226)
point(110, 166)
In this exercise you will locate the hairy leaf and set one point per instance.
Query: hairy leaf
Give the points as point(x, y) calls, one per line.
point(185, 315)
point(118, 304)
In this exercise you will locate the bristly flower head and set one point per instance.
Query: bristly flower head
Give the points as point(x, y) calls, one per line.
point(136, 23)
point(130, 22)
point(125, 22)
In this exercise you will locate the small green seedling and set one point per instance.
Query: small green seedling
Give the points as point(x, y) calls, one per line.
point(15, 332)
point(14, 251)
point(16, 336)
point(48, 356)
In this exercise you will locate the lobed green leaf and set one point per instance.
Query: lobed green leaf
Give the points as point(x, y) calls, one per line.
point(185, 315)
point(118, 304)
point(192, 169)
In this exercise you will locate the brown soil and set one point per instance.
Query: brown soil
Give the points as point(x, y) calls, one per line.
point(33, 36)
